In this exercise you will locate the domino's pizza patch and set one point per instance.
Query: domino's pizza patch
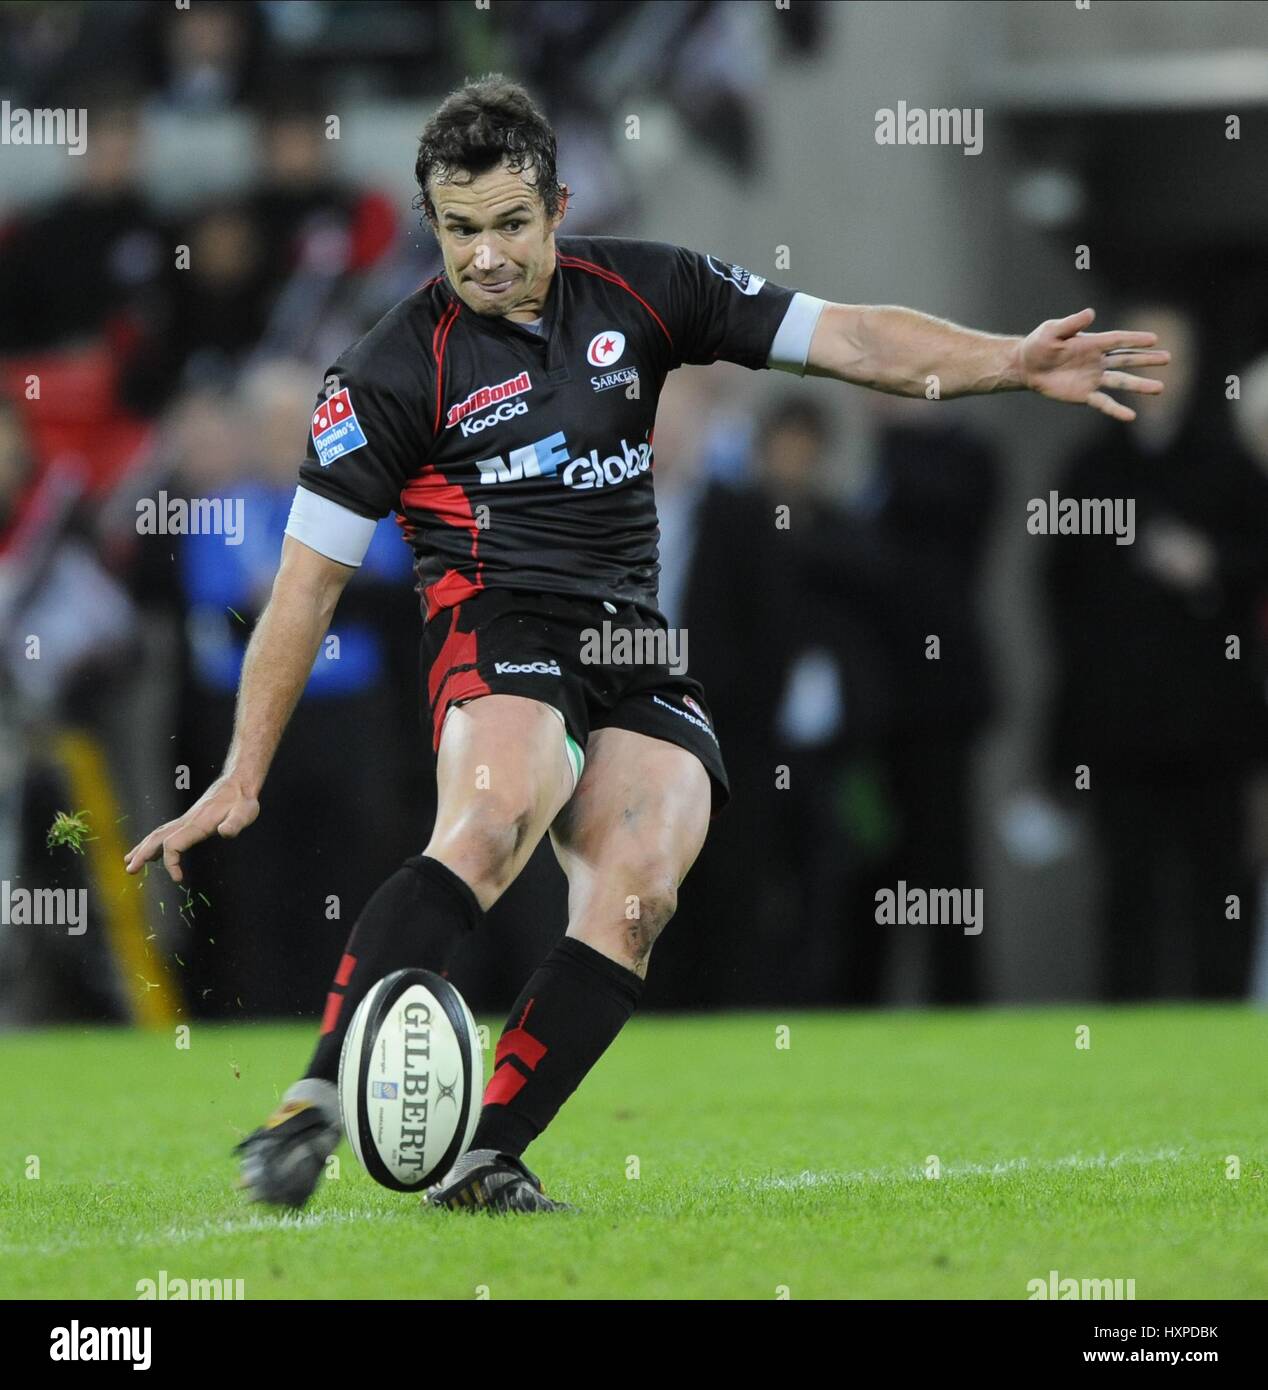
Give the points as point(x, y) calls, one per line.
point(336, 429)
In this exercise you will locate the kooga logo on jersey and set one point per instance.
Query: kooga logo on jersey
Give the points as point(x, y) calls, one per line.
point(504, 412)
point(484, 396)
point(543, 459)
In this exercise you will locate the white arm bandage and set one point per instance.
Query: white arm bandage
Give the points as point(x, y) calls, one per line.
point(791, 347)
point(329, 529)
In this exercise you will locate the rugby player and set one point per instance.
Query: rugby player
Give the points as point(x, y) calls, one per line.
point(504, 412)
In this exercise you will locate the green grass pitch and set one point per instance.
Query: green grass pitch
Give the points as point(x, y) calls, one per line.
point(708, 1160)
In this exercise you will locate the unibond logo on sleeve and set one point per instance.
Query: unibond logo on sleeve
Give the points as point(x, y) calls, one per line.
point(336, 429)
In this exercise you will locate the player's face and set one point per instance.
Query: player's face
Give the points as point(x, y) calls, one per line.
point(498, 244)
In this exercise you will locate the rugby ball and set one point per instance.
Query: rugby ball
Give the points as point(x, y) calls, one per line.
point(411, 1077)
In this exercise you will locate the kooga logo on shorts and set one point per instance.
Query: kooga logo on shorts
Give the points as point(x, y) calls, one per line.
point(528, 668)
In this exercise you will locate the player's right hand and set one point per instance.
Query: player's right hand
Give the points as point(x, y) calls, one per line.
point(224, 809)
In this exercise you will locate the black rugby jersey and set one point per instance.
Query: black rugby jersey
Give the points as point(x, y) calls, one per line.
point(518, 459)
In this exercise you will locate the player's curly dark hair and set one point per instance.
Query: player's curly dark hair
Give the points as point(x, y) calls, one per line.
point(479, 124)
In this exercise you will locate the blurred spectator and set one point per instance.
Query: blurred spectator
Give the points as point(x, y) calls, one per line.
point(270, 272)
point(52, 585)
point(54, 54)
point(89, 263)
point(319, 235)
point(205, 57)
point(684, 422)
point(297, 192)
point(67, 642)
point(17, 472)
point(81, 296)
point(708, 58)
point(762, 908)
point(333, 822)
point(219, 304)
point(1250, 414)
point(1147, 697)
point(931, 504)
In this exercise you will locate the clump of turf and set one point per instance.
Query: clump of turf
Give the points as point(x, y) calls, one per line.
point(71, 830)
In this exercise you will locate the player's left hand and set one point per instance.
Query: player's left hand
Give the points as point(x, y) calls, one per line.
point(1059, 360)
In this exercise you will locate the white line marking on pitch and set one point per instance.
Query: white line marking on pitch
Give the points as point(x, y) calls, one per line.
point(955, 1170)
point(210, 1229)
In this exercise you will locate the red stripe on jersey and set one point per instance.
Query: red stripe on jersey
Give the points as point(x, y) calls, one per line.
point(430, 491)
point(433, 492)
point(613, 278)
point(346, 967)
point(451, 589)
point(438, 340)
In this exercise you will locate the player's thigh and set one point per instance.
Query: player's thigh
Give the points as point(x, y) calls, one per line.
point(632, 829)
point(502, 774)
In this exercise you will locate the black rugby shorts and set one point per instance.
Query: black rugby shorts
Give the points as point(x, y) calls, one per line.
point(512, 642)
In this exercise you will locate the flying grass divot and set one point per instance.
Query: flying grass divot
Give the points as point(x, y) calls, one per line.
point(71, 830)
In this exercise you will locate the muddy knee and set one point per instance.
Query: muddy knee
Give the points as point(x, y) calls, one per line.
point(486, 845)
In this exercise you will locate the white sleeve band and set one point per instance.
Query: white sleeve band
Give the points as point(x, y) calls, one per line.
point(791, 347)
point(329, 529)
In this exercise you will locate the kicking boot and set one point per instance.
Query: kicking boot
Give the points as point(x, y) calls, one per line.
point(492, 1181)
point(282, 1161)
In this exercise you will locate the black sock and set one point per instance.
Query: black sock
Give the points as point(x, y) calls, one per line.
point(416, 918)
point(569, 1012)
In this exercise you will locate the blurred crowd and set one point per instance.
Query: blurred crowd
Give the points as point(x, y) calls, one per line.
point(851, 661)
point(130, 371)
point(161, 342)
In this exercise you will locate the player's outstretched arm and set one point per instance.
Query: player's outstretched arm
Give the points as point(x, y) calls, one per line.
point(907, 353)
point(279, 660)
